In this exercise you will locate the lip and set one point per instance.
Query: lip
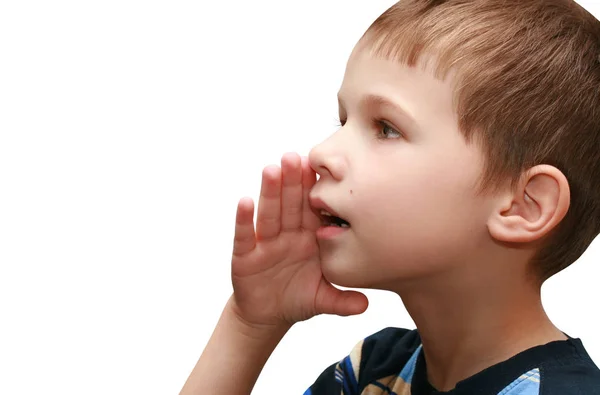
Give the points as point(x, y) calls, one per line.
point(318, 204)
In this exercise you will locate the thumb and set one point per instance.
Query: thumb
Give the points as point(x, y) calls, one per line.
point(331, 300)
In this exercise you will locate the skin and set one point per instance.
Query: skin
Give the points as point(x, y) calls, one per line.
point(457, 260)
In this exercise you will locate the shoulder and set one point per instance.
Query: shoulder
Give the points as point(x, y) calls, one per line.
point(381, 354)
point(378, 355)
point(387, 349)
point(576, 375)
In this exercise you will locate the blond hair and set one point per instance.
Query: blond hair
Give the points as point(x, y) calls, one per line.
point(527, 90)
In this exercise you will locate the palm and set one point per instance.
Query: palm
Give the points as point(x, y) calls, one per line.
point(276, 271)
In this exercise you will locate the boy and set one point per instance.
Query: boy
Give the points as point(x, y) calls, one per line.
point(465, 173)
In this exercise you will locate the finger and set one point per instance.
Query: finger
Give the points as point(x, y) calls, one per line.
point(291, 191)
point(310, 220)
point(268, 221)
point(244, 239)
point(331, 300)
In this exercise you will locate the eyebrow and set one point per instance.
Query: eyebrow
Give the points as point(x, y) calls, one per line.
point(380, 101)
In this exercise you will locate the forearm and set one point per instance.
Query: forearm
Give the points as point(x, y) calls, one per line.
point(233, 358)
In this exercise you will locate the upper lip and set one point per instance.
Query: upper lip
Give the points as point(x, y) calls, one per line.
point(318, 204)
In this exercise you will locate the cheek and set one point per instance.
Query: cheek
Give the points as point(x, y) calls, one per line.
point(419, 225)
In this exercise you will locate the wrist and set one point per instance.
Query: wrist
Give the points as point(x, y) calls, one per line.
point(254, 330)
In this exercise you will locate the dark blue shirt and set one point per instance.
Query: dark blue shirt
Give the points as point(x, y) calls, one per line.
point(391, 362)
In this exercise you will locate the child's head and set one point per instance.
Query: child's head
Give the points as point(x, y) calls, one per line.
point(469, 146)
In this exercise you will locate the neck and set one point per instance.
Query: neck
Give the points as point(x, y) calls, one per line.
point(467, 328)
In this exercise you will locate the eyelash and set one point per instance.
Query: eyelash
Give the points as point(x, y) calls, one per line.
point(380, 123)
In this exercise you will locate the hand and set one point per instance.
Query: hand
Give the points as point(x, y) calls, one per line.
point(276, 272)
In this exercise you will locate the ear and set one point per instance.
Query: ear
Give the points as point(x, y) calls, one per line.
point(539, 204)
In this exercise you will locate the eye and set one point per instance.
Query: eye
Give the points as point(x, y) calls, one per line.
point(385, 127)
point(382, 128)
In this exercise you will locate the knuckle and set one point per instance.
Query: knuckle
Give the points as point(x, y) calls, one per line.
point(268, 220)
point(293, 210)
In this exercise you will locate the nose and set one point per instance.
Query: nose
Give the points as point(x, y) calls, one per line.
point(327, 158)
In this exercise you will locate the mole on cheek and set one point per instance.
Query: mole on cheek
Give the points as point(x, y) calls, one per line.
point(351, 192)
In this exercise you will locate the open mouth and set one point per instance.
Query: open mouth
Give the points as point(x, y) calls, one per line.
point(327, 219)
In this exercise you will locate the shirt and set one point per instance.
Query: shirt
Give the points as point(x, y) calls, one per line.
point(391, 362)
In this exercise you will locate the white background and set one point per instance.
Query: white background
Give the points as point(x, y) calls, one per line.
point(129, 130)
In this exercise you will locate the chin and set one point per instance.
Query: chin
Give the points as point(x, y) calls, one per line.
point(344, 276)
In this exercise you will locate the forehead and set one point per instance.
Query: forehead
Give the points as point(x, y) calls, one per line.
point(414, 88)
point(364, 59)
